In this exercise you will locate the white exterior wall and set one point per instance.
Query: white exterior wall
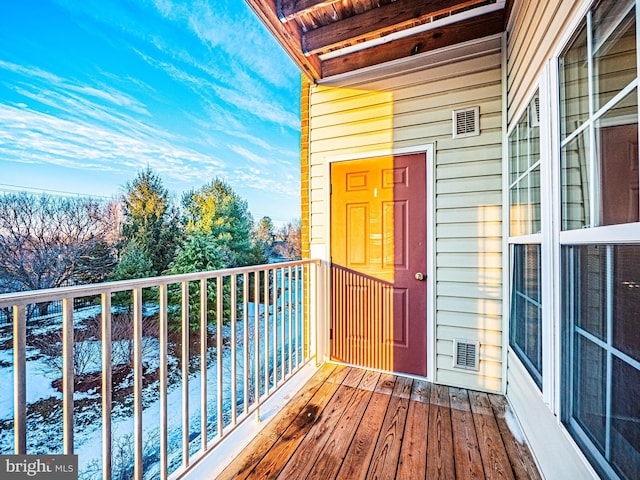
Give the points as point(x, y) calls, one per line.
point(414, 109)
point(536, 31)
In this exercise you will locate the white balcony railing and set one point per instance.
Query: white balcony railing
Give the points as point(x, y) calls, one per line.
point(218, 344)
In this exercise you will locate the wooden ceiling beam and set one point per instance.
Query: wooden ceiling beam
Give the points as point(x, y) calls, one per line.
point(377, 22)
point(290, 9)
point(288, 35)
point(464, 31)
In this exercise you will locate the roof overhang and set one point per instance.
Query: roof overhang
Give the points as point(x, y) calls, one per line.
point(329, 38)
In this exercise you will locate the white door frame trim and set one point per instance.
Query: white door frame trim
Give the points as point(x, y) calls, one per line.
point(429, 150)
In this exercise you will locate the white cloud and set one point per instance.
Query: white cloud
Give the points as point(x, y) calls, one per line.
point(252, 157)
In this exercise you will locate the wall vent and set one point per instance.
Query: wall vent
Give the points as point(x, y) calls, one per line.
point(466, 122)
point(534, 113)
point(465, 354)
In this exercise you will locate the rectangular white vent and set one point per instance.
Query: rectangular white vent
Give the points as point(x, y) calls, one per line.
point(466, 122)
point(465, 354)
point(534, 111)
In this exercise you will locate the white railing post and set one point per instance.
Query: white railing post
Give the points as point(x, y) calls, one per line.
point(219, 319)
point(20, 379)
point(106, 385)
point(320, 312)
point(203, 363)
point(234, 386)
point(185, 373)
point(67, 375)
point(164, 343)
point(137, 381)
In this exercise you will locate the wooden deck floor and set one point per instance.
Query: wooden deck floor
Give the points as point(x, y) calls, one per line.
point(350, 424)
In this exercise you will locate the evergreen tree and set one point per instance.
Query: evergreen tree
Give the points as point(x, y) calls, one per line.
point(264, 235)
point(219, 213)
point(150, 220)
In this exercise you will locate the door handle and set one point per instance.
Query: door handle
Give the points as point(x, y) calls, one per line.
point(419, 276)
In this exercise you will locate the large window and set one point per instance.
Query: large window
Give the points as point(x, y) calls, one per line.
point(600, 258)
point(599, 120)
point(601, 304)
point(525, 335)
point(525, 327)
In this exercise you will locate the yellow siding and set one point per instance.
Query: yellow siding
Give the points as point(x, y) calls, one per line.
point(415, 109)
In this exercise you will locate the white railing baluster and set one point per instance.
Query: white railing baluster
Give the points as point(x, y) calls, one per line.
point(296, 312)
point(106, 385)
point(234, 387)
point(266, 332)
point(289, 318)
point(185, 373)
point(203, 364)
point(283, 342)
point(19, 379)
point(245, 340)
point(164, 344)
point(67, 374)
point(219, 319)
point(275, 328)
point(256, 343)
point(137, 381)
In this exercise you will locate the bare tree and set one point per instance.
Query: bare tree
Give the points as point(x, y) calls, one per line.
point(48, 241)
point(288, 241)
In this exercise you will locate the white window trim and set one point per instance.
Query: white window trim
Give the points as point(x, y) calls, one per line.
point(544, 238)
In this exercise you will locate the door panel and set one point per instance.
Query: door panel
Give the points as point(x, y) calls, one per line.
point(378, 244)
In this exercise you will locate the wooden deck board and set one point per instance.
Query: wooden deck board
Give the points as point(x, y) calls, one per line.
point(440, 462)
point(413, 455)
point(351, 424)
point(335, 449)
point(465, 442)
point(524, 467)
point(387, 452)
point(356, 462)
point(494, 455)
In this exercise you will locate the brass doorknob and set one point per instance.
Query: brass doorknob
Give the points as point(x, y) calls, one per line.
point(420, 276)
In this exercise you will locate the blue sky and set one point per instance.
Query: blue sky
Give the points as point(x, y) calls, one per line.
point(92, 91)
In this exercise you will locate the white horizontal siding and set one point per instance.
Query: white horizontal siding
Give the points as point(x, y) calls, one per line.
point(415, 109)
point(541, 24)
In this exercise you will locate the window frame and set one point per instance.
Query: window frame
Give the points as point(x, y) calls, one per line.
point(627, 233)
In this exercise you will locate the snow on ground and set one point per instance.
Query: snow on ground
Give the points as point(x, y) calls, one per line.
point(39, 378)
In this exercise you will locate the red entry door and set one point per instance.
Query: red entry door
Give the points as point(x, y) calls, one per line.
point(379, 262)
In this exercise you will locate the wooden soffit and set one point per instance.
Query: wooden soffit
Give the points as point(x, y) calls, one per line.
point(332, 37)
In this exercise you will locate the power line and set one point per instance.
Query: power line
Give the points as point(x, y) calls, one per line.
point(9, 188)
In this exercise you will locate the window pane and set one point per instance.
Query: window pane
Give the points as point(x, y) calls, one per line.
point(574, 166)
point(625, 419)
point(519, 199)
point(574, 85)
point(534, 192)
point(626, 307)
point(617, 136)
point(524, 158)
point(514, 156)
point(590, 270)
point(526, 310)
point(590, 398)
point(614, 48)
point(601, 390)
